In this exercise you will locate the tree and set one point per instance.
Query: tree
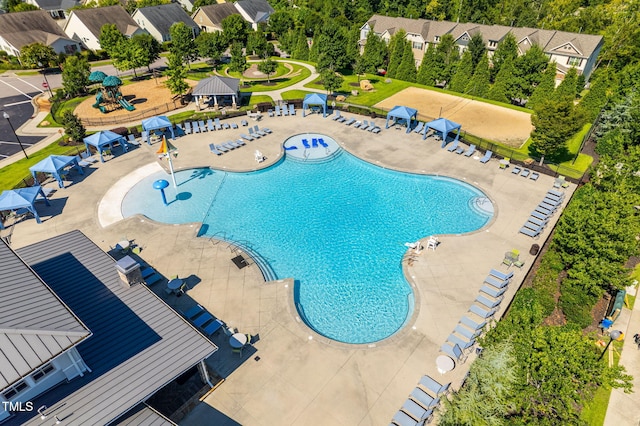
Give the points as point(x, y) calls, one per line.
point(149, 49)
point(477, 48)
point(110, 38)
point(177, 74)
point(407, 69)
point(235, 29)
point(503, 88)
point(257, 44)
point(507, 49)
point(73, 126)
point(37, 55)
point(301, 49)
point(24, 7)
point(375, 52)
point(463, 73)
point(428, 72)
point(331, 81)
point(238, 60)
point(182, 42)
point(544, 89)
point(448, 55)
point(479, 83)
point(280, 22)
point(359, 67)
point(554, 123)
point(396, 52)
point(211, 45)
point(75, 76)
point(268, 67)
point(529, 69)
point(330, 48)
point(568, 88)
point(200, 3)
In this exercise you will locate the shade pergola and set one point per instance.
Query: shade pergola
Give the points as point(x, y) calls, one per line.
point(315, 99)
point(443, 126)
point(215, 87)
point(157, 122)
point(402, 113)
point(23, 198)
point(103, 139)
point(54, 165)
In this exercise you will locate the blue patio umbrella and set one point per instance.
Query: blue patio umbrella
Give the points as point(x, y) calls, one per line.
point(54, 165)
point(443, 126)
point(23, 198)
point(102, 139)
point(402, 113)
point(317, 99)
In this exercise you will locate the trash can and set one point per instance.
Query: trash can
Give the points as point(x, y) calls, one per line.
point(534, 249)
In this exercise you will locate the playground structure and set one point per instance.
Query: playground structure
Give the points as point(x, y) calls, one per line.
point(109, 94)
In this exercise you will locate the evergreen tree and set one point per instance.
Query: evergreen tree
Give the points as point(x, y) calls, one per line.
point(448, 56)
point(507, 49)
point(73, 126)
point(301, 49)
point(331, 81)
point(479, 83)
point(502, 89)
point(545, 89)
point(428, 67)
point(238, 60)
point(477, 48)
point(177, 75)
point(359, 67)
point(235, 29)
point(568, 88)
point(407, 69)
point(463, 73)
point(375, 52)
point(528, 69)
point(554, 122)
point(396, 51)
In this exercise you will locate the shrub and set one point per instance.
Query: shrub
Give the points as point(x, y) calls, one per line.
point(122, 131)
point(576, 304)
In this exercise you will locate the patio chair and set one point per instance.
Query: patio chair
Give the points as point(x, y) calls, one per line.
point(336, 115)
point(226, 126)
point(376, 130)
point(496, 282)
point(202, 319)
point(464, 331)
point(247, 137)
point(213, 327)
point(501, 275)
point(510, 257)
point(533, 226)
point(257, 131)
point(454, 352)
point(240, 142)
point(372, 125)
point(553, 201)
point(210, 125)
point(323, 143)
point(463, 344)
point(270, 112)
point(292, 109)
point(314, 143)
point(470, 150)
point(228, 145)
point(481, 312)
point(132, 140)
point(357, 124)
point(472, 324)
point(194, 125)
point(237, 351)
point(487, 157)
point(492, 291)
point(266, 130)
point(560, 182)
point(424, 399)
point(488, 302)
point(539, 222)
point(234, 126)
point(193, 312)
point(202, 126)
point(540, 215)
point(217, 124)
point(403, 419)
point(364, 125)
point(504, 163)
point(433, 385)
point(244, 123)
point(350, 121)
point(525, 173)
point(253, 133)
point(213, 149)
point(534, 176)
point(305, 143)
point(419, 127)
point(555, 193)
point(187, 127)
point(529, 232)
point(285, 110)
point(221, 148)
point(414, 409)
point(453, 146)
point(516, 170)
point(277, 113)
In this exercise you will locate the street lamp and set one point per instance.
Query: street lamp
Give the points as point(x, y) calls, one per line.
point(45, 84)
point(613, 335)
point(5, 115)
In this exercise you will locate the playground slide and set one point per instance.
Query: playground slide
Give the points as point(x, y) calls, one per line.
point(126, 105)
point(98, 100)
point(102, 109)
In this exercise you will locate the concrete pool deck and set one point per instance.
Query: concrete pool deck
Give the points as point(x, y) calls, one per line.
point(302, 378)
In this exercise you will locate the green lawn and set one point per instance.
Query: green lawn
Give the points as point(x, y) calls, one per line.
point(256, 99)
point(294, 94)
point(69, 105)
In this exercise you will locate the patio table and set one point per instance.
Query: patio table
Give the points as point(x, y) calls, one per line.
point(238, 340)
point(445, 364)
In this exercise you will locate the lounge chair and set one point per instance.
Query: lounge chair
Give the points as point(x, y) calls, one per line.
point(234, 144)
point(424, 399)
point(193, 312)
point(213, 327)
point(470, 150)
point(499, 274)
point(453, 146)
point(376, 130)
point(464, 344)
point(323, 143)
point(226, 126)
point(487, 157)
point(403, 419)
point(357, 124)
point(481, 312)
point(553, 196)
point(240, 142)
point(144, 136)
point(252, 133)
point(267, 131)
point(540, 215)
point(516, 170)
point(472, 324)
point(546, 209)
point(213, 149)
point(433, 385)
point(364, 125)
point(314, 143)
point(336, 115)
point(496, 282)
point(492, 291)
point(187, 127)
point(285, 110)
point(244, 123)
point(228, 145)
point(221, 148)
point(414, 409)
point(488, 302)
point(533, 226)
point(453, 351)
point(464, 331)
point(529, 232)
point(217, 124)
point(202, 319)
point(419, 127)
point(292, 109)
point(132, 140)
point(539, 222)
point(372, 126)
point(525, 173)
point(306, 143)
point(553, 201)
point(247, 137)
point(350, 121)
point(534, 176)
point(277, 111)
point(196, 129)
point(270, 112)
point(210, 125)
point(202, 126)
point(556, 193)
point(257, 130)
point(234, 126)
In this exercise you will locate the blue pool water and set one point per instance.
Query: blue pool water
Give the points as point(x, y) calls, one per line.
point(337, 227)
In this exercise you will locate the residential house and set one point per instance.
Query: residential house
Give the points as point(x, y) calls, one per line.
point(158, 19)
point(81, 345)
point(84, 25)
point(58, 9)
point(254, 11)
point(209, 18)
point(566, 49)
point(22, 28)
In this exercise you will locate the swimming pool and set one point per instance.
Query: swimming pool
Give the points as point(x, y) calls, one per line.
point(338, 227)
